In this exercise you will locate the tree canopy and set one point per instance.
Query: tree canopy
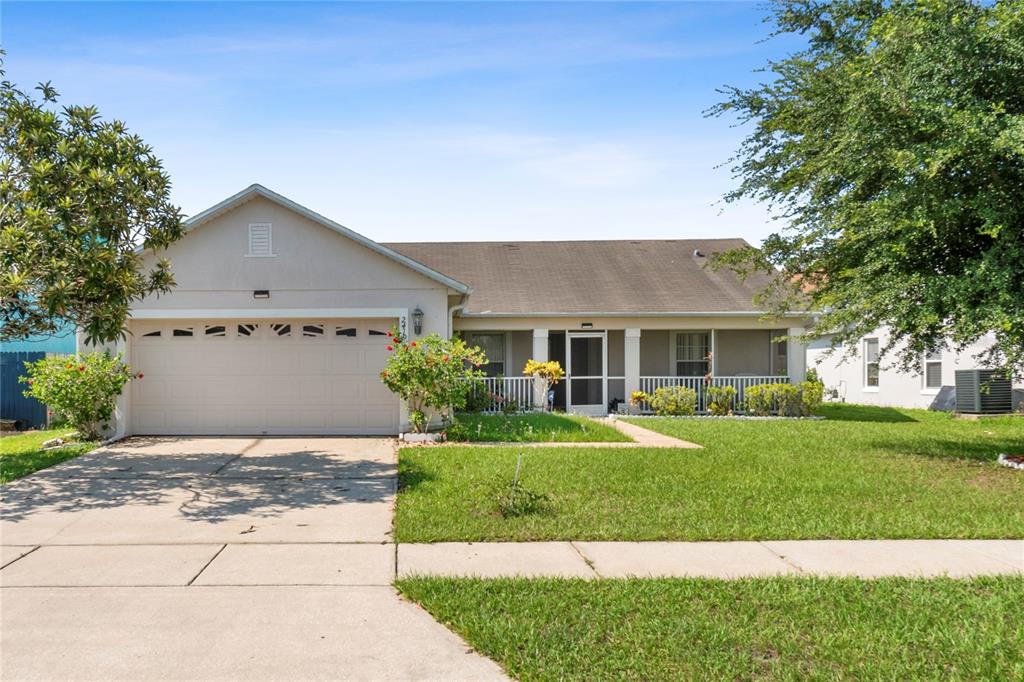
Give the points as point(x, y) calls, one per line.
point(891, 148)
point(82, 200)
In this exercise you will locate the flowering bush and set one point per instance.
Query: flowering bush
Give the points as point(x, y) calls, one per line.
point(674, 401)
point(82, 389)
point(720, 400)
point(431, 374)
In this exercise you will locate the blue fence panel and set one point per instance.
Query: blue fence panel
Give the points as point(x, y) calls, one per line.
point(13, 404)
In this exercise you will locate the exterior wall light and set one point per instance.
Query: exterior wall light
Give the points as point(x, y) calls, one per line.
point(417, 321)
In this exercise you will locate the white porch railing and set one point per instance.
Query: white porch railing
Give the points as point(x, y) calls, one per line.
point(650, 384)
point(499, 392)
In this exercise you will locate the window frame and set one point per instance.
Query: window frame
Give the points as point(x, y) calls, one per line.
point(867, 364)
point(674, 359)
point(489, 366)
point(926, 360)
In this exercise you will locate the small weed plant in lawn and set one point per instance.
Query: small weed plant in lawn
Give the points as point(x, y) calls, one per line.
point(765, 629)
point(860, 473)
point(23, 453)
point(532, 427)
point(511, 496)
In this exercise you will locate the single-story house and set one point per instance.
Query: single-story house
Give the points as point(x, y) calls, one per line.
point(862, 376)
point(278, 321)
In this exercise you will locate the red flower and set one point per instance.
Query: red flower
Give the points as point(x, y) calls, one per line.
point(446, 358)
point(81, 368)
point(29, 382)
point(139, 375)
point(384, 373)
point(389, 348)
point(389, 333)
point(413, 344)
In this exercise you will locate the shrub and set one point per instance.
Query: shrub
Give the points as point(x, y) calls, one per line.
point(548, 373)
point(82, 389)
point(720, 400)
point(456, 431)
point(431, 374)
point(787, 397)
point(637, 397)
point(759, 399)
point(674, 401)
point(811, 395)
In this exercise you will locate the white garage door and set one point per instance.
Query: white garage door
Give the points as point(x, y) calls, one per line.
point(261, 377)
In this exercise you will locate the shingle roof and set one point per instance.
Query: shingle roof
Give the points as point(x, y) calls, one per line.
point(566, 277)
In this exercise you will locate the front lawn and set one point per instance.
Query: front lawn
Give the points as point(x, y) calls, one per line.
point(863, 473)
point(538, 427)
point(22, 453)
point(778, 628)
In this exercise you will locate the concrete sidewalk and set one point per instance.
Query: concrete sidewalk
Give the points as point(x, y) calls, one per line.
point(215, 559)
point(860, 558)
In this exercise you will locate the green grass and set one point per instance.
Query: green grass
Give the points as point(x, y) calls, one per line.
point(22, 453)
point(863, 473)
point(774, 629)
point(538, 427)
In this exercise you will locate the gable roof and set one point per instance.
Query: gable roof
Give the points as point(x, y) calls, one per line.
point(593, 278)
point(257, 190)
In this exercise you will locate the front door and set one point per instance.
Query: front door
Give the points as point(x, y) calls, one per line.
point(586, 361)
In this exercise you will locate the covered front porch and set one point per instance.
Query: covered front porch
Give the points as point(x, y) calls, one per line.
point(605, 364)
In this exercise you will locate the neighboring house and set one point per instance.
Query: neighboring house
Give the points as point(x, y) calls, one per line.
point(863, 378)
point(277, 323)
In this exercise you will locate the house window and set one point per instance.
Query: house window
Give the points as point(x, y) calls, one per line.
point(493, 346)
point(691, 354)
point(933, 369)
point(871, 362)
point(780, 354)
point(260, 240)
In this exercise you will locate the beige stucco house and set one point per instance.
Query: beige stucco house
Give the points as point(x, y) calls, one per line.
point(277, 323)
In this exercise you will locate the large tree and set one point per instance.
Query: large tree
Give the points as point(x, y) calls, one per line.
point(82, 200)
point(891, 148)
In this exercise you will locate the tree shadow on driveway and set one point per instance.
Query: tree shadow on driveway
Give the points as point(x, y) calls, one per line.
point(200, 487)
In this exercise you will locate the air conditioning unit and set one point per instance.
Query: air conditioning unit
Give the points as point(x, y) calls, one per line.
point(983, 391)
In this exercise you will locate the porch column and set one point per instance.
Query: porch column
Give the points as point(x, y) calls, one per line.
point(540, 354)
point(632, 361)
point(796, 356)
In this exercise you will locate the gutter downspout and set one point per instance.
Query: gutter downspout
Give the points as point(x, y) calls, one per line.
point(451, 315)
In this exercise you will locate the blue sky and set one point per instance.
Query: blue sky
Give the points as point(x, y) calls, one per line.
point(424, 121)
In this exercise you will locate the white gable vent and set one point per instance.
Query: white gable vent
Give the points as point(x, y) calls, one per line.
point(260, 241)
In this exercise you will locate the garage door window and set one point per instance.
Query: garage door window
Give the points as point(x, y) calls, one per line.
point(182, 331)
point(313, 331)
point(216, 330)
point(247, 330)
point(345, 331)
point(281, 329)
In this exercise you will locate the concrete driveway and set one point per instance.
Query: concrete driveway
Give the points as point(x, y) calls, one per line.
point(215, 558)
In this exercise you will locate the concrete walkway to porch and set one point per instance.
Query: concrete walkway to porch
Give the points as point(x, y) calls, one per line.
point(742, 559)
